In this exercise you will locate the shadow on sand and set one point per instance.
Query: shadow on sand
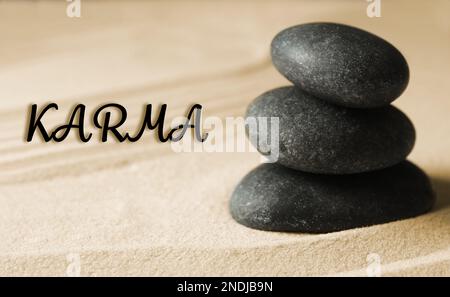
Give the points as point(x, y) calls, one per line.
point(441, 187)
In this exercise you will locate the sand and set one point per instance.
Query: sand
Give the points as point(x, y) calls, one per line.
point(139, 208)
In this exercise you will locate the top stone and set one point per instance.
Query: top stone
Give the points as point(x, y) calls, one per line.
point(341, 64)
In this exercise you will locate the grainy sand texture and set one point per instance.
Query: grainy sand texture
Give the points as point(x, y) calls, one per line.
point(95, 209)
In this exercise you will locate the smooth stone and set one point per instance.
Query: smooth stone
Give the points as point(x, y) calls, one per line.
point(276, 198)
point(341, 64)
point(318, 137)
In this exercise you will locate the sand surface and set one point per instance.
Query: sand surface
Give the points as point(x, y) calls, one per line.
point(142, 209)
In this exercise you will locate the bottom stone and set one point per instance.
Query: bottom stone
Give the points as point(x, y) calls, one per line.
point(275, 198)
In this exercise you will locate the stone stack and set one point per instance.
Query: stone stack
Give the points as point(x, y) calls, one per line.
point(342, 146)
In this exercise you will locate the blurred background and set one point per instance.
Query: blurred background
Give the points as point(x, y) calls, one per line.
point(140, 208)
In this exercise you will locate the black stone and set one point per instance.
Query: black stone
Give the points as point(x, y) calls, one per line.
point(318, 137)
point(341, 64)
point(276, 198)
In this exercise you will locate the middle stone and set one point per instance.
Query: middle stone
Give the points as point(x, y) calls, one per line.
point(318, 137)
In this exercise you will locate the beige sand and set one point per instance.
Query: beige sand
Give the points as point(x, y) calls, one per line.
point(141, 209)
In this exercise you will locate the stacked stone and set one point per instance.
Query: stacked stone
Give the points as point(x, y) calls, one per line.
point(342, 146)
